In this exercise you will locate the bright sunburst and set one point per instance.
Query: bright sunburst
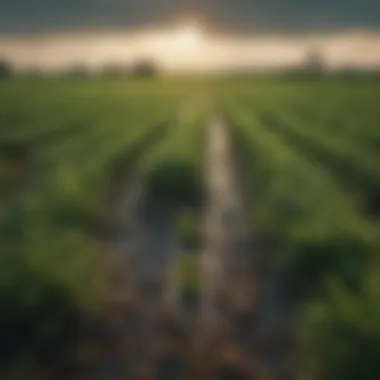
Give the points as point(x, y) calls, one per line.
point(183, 39)
point(189, 37)
point(181, 42)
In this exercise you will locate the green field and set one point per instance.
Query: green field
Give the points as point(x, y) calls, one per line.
point(311, 162)
point(310, 168)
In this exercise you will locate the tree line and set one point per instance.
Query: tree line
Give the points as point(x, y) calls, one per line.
point(313, 65)
point(142, 68)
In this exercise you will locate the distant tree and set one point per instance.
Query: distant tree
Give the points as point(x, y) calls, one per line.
point(78, 72)
point(33, 72)
point(349, 72)
point(114, 70)
point(314, 62)
point(6, 70)
point(145, 68)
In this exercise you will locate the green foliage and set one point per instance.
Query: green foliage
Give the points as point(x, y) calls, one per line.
point(51, 268)
point(312, 171)
point(47, 275)
point(296, 203)
point(340, 335)
point(190, 231)
point(309, 154)
point(174, 181)
point(6, 70)
point(172, 172)
point(189, 268)
point(309, 260)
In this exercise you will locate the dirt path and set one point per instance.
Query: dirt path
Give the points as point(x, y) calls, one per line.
point(140, 253)
point(241, 294)
point(227, 278)
point(145, 339)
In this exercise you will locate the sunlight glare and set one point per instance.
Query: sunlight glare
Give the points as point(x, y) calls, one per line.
point(189, 37)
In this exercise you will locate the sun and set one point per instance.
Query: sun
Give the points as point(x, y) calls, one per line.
point(185, 39)
point(180, 41)
point(189, 37)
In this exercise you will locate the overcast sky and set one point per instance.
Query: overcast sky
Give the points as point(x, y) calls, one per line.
point(40, 16)
point(55, 33)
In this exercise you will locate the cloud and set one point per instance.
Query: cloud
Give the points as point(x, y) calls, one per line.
point(53, 33)
point(358, 48)
point(44, 16)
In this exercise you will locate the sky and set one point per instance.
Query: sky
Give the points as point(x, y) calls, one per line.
point(25, 16)
point(55, 33)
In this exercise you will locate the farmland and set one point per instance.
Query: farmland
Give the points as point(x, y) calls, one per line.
point(89, 166)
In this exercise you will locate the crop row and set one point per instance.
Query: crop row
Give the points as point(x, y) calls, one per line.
point(51, 269)
point(352, 164)
point(296, 173)
point(299, 205)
